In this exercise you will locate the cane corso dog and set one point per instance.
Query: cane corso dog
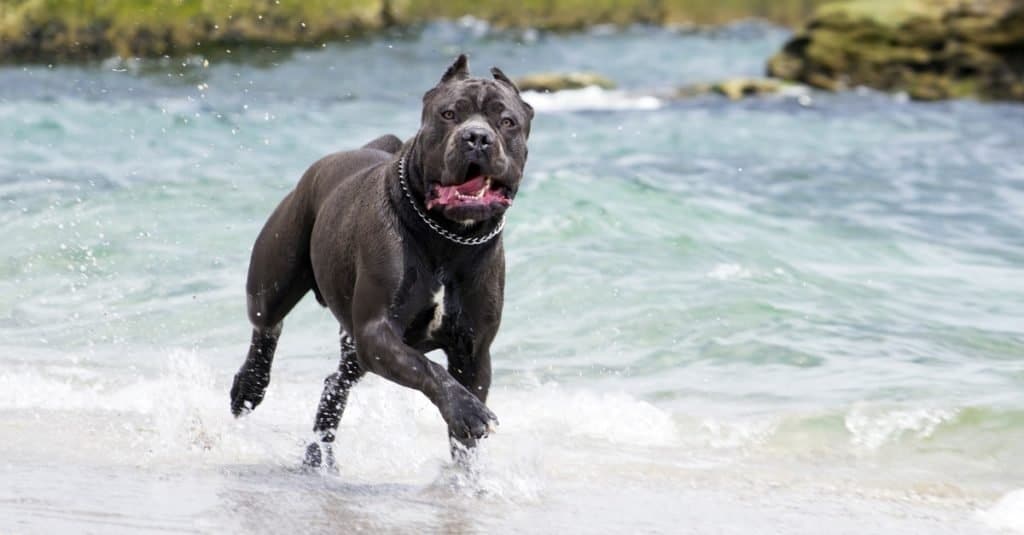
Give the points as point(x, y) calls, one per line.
point(402, 242)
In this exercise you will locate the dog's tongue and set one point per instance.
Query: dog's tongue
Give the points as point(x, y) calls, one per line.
point(471, 186)
point(447, 194)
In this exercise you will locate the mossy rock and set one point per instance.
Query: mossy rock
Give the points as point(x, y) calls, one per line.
point(740, 88)
point(50, 30)
point(543, 14)
point(560, 81)
point(733, 88)
point(694, 90)
point(931, 49)
point(76, 29)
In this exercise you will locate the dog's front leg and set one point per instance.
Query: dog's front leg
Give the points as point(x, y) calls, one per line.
point(381, 350)
point(471, 369)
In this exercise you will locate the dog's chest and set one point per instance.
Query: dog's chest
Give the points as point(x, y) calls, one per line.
point(432, 312)
point(437, 320)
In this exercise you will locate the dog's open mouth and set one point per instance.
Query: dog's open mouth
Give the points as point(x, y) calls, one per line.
point(476, 190)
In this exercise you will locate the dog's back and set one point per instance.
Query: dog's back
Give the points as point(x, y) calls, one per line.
point(280, 271)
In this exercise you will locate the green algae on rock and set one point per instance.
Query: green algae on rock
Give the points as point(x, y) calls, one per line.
point(559, 81)
point(738, 88)
point(577, 14)
point(932, 49)
point(50, 30)
point(545, 14)
point(82, 29)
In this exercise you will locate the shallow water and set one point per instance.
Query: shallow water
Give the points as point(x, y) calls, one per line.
point(791, 314)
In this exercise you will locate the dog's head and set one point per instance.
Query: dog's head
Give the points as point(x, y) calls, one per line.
point(472, 144)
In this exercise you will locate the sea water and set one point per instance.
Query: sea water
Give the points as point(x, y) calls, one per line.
point(802, 313)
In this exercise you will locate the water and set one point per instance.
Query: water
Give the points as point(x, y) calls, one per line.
point(767, 316)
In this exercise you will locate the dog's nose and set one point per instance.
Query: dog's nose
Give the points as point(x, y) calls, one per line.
point(477, 139)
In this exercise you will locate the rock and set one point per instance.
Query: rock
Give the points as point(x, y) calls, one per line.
point(739, 88)
point(694, 90)
point(556, 81)
point(932, 49)
point(733, 88)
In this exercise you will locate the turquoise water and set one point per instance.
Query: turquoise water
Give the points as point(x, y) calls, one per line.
point(720, 317)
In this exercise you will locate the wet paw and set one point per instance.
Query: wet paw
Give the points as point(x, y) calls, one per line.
point(319, 455)
point(468, 418)
point(247, 390)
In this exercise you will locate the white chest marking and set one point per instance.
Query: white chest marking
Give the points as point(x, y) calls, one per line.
point(435, 323)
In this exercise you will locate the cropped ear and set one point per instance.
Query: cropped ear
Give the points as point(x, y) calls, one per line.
point(457, 71)
point(500, 76)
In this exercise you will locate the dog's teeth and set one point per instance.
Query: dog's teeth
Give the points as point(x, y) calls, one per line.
point(484, 188)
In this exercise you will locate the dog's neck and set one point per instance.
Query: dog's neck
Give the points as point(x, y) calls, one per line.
point(409, 201)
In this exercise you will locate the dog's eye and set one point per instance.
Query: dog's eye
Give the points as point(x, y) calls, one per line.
point(507, 123)
point(448, 115)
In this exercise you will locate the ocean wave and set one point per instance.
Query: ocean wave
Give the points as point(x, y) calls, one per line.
point(872, 428)
point(188, 390)
point(179, 417)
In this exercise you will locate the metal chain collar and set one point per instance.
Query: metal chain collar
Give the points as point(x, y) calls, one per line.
point(447, 234)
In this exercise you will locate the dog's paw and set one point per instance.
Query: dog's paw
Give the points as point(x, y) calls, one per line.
point(320, 455)
point(467, 417)
point(247, 390)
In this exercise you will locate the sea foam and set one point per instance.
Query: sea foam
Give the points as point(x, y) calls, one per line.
point(590, 99)
point(1007, 513)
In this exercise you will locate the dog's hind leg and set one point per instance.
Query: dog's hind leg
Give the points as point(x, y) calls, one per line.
point(279, 275)
point(253, 377)
point(332, 404)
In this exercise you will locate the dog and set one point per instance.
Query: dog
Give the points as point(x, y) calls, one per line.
point(402, 242)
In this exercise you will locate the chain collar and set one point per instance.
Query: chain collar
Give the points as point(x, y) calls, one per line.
point(446, 234)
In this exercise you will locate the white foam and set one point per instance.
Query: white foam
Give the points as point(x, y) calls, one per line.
point(590, 98)
point(729, 272)
point(550, 435)
point(736, 435)
point(179, 417)
point(1007, 513)
point(873, 427)
point(616, 418)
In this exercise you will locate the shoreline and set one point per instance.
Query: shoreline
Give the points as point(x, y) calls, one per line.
point(266, 497)
point(256, 52)
point(37, 31)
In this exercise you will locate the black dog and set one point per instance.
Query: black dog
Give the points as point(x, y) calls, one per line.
point(403, 243)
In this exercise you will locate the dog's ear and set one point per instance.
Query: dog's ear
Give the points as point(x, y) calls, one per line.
point(458, 70)
point(500, 76)
point(528, 108)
